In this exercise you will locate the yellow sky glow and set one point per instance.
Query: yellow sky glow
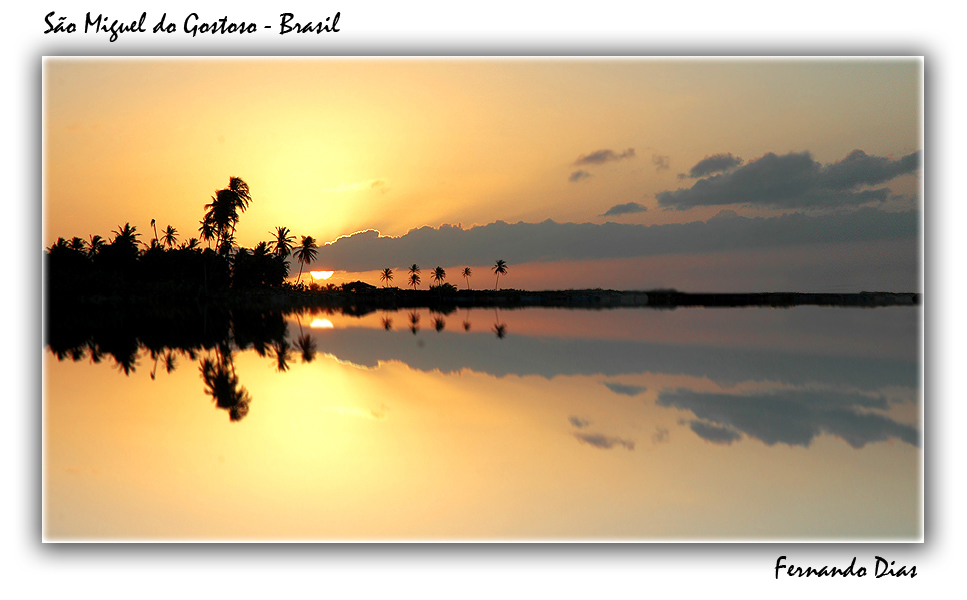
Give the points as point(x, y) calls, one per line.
point(332, 146)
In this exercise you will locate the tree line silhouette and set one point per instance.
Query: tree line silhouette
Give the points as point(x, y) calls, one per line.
point(208, 264)
point(126, 264)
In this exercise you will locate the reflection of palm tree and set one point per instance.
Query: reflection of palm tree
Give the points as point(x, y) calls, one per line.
point(306, 253)
point(466, 321)
point(282, 355)
point(386, 276)
point(222, 384)
point(499, 328)
point(414, 322)
point(283, 243)
point(170, 237)
point(387, 323)
point(307, 348)
point(466, 275)
point(500, 268)
point(439, 324)
point(170, 363)
point(439, 275)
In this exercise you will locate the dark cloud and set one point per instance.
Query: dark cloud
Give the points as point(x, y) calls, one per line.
point(599, 440)
point(550, 241)
point(661, 162)
point(624, 209)
point(795, 180)
point(793, 417)
point(625, 390)
point(602, 156)
point(714, 433)
point(578, 422)
point(578, 176)
point(716, 163)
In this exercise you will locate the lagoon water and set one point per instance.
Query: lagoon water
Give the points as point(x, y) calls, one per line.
point(536, 424)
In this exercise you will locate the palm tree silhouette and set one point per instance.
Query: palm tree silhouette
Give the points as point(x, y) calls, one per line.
point(414, 319)
point(414, 275)
point(95, 245)
point(222, 215)
point(126, 237)
point(387, 323)
point(207, 231)
point(439, 275)
point(283, 243)
point(439, 324)
point(387, 276)
point(306, 253)
point(500, 268)
point(466, 275)
point(155, 232)
point(170, 237)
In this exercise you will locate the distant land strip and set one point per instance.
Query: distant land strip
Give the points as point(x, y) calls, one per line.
point(361, 298)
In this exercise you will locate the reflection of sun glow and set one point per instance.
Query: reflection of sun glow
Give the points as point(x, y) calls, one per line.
point(321, 274)
point(321, 324)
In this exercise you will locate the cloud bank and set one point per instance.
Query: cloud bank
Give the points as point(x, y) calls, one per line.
point(599, 157)
point(625, 209)
point(578, 176)
point(625, 390)
point(451, 246)
point(715, 163)
point(792, 180)
point(605, 442)
point(661, 162)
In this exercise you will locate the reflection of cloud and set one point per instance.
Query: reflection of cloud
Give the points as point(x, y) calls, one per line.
point(599, 440)
point(548, 241)
point(625, 390)
point(451, 352)
point(624, 209)
point(347, 411)
point(714, 433)
point(361, 185)
point(578, 422)
point(661, 162)
point(795, 180)
point(602, 156)
point(660, 435)
point(792, 417)
point(713, 164)
point(578, 176)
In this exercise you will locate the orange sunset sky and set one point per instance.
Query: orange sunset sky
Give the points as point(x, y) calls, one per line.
point(330, 147)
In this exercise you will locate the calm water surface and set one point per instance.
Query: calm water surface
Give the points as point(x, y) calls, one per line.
point(538, 424)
